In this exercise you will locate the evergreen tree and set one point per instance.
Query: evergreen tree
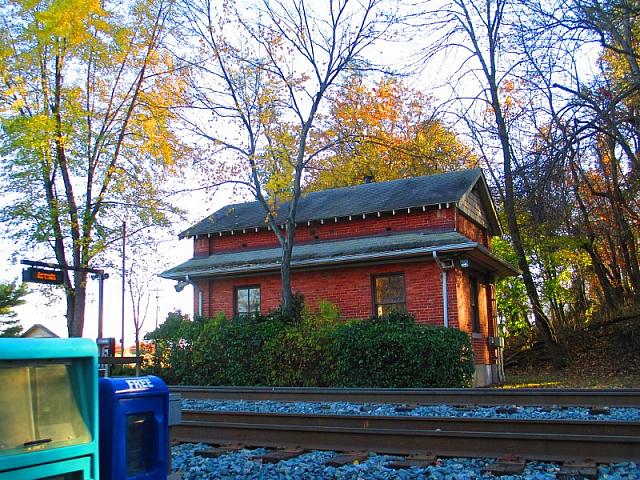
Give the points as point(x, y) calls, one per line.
point(10, 297)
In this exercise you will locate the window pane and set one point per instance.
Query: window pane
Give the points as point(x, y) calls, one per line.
point(242, 301)
point(140, 434)
point(38, 408)
point(390, 289)
point(395, 293)
point(247, 300)
point(389, 294)
point(381, 287)
point(475, 311)
point(66, 476)
point(390, 307)
point(254, 300)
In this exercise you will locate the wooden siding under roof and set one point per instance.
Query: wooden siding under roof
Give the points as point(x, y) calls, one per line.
point(472, 205)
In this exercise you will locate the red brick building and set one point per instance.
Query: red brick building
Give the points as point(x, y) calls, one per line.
point(422, 244)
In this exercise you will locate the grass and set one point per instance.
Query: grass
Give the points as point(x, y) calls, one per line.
point(569, 379)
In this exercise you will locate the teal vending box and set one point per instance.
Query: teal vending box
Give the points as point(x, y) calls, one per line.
point(48, 409)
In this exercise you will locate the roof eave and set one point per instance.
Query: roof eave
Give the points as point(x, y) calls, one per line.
point(502, 268)
point(451, 203)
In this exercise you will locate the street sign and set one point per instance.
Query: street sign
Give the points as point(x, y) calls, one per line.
point(40, 275)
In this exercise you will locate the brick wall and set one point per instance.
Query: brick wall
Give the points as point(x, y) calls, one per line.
point(350, 288)
point(486, 307)
point(432, 219)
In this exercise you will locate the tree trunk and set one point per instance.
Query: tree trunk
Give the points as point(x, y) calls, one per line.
point(285, 269)
point(543, 326)
point(76, 300)
point(137, 351)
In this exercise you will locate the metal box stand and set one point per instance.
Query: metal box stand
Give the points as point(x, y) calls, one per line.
point(134, 431)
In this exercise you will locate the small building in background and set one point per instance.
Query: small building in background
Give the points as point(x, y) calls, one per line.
point(422, 245)
point(39, 331)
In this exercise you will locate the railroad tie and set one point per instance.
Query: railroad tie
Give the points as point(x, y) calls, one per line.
point(278, 455)
point(347, 459)
point(599, 410)
point(216, 452)
point(578, 471)
point(505, 466)
point(420, 461)
point(405, 408)
point(509, 409)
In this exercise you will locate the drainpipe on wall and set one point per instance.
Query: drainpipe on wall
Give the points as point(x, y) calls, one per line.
point(444, 264)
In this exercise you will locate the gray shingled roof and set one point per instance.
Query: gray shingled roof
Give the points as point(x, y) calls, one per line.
point(342, 202)
point(334, 252)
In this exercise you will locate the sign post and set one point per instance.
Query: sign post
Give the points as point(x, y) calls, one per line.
point(52, 274)
point(40, 275)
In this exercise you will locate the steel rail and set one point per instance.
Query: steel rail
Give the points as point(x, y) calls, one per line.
point(427, 396)
point(404, 441)
point(466, 424)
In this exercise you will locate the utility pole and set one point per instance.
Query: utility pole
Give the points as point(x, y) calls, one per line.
point(157, 306)
point(124, 273)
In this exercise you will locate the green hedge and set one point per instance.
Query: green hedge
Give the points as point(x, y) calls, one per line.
point(316, 349)
point(395, 351)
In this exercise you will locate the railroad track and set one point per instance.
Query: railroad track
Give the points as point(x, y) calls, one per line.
point(602, 442)
point(427, 396)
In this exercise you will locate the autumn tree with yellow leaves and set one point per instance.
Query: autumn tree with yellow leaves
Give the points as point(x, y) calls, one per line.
point(86, 127)
point(386, 131)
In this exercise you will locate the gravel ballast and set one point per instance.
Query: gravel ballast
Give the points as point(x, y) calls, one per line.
point(311, 465)
point(388, 409)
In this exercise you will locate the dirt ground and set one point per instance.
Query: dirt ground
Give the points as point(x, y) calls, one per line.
point(607, 357)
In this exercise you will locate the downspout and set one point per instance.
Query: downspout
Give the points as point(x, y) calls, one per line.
point(445, 301)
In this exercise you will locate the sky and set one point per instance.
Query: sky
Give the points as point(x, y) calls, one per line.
point(49, 310)
point(46, 305)
point(163, 299)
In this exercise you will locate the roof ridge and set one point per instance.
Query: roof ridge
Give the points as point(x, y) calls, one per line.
point(396, 180)
point(389, 190)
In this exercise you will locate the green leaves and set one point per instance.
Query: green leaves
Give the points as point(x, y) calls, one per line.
point(321, 350)
point(395, 352)
point(87, 122)
point(11, 295)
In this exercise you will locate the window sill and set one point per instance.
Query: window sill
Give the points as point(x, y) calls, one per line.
point(476, 335)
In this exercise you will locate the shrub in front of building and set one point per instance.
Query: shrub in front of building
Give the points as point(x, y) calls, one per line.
point(232, 351)
point(395, 351)
point(320, 349)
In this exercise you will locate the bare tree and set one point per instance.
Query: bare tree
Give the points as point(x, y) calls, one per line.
point(481, 32)
point(139, 281)
point(602, 126)
point(261, 74)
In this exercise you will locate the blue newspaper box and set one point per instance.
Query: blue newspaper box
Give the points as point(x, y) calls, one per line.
point(134, 429)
